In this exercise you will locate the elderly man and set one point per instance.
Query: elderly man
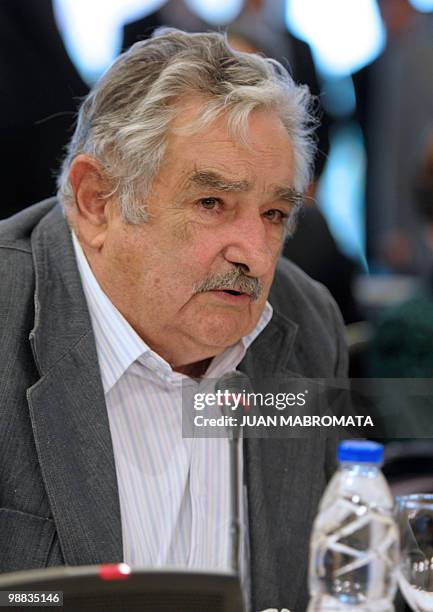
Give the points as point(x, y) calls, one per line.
point(155, 264)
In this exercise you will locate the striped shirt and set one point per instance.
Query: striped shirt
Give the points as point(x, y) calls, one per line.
point(174, 492)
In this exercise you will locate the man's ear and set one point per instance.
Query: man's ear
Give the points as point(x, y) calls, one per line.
point(91, 188)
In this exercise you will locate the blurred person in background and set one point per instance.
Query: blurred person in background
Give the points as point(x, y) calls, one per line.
point(402, 348)
point(403, 343)
point(395, 107)
point(40, 90)
point(172, 13)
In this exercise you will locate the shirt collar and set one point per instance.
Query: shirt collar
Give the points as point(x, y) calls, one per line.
point(119, 346)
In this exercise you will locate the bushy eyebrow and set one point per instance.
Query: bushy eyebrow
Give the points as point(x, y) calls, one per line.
point(213, 180)
point(288, 194)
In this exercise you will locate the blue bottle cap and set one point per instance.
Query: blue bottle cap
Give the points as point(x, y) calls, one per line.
point(362, 451)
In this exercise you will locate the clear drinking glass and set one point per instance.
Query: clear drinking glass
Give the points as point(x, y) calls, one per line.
point(414, 516)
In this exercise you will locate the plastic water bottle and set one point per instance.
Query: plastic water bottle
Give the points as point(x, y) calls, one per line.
point(354, 546)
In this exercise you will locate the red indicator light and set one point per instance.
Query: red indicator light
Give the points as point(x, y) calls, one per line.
point(114, 571)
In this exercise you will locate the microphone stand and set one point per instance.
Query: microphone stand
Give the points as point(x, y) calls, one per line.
point(235, 383)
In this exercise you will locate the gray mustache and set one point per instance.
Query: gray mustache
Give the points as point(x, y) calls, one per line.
point(235, 280)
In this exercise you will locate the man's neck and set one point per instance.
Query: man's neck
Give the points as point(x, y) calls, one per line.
point(194, 370)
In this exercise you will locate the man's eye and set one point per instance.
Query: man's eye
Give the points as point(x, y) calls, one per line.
point(276, 216)
point(209, 203)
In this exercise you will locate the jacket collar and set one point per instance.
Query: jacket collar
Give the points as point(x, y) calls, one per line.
point(61, 315)
point(67, 405)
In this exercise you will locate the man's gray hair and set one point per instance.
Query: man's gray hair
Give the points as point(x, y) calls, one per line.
point(125, 120)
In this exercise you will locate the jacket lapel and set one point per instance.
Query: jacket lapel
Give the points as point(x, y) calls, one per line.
point(271, 472)
point(67, 405)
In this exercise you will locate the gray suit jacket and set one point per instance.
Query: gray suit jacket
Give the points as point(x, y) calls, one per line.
point(59, 501)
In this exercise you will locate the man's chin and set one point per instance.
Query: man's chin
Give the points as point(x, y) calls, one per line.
point(221, 334)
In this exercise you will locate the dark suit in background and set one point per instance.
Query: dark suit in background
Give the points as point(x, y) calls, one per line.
point(39, 94)
point(395, 111)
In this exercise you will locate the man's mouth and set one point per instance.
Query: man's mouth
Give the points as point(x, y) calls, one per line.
point(231, 296)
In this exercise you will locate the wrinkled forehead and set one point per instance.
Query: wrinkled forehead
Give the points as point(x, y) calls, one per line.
point(213, 149)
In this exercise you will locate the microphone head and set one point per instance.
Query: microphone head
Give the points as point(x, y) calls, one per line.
point(234, 380)
point(234, 388)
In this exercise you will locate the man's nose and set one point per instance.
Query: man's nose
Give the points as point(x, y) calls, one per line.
point(249, 245)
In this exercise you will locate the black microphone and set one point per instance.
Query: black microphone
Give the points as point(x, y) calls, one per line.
point(234, 384)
